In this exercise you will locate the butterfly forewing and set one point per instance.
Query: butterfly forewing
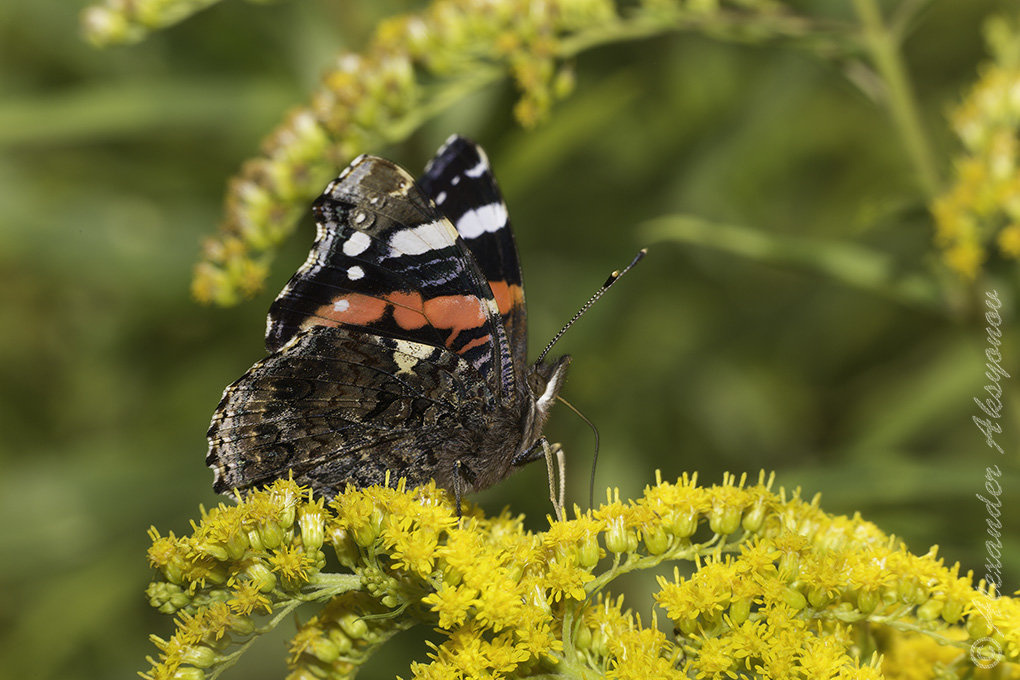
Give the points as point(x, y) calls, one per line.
point(387, 261)
point(461, 183)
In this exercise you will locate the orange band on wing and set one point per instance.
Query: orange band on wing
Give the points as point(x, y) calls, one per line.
point(456, 312)
point(507, 296)
point(353, 308)
point(446, 312)
point(408, 310)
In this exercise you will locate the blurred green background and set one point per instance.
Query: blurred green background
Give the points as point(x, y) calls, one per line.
point(113, 165)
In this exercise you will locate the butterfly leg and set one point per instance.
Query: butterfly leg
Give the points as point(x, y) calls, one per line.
point(533, 453)
point(542, 449)
point(461, 475)
point(559, 474)
point(458, 491)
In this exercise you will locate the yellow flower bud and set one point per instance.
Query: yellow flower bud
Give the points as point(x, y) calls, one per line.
point(173, 570)
point(189, 673)
point(687, 626)
point(930, 610)
point(212, 549)
point(261, 575)
point(583, 638)
point(867, 601)
point(818, 597)
point(598, 642)
point(255, 541)
point(619, 539)
point(242, 625)
point(236, 545)
point(589, 553)
point(564, 83)
point(366, 533)
point(312, 522)
point(340, 639)
point(271, 534)
point(354, 626)
point(952, 610)
point(910, 592)
point(978, 627)
point(346, 549)
point(452, 577)
point(323, 649)
point(789, 567)
point(198, 655)
point(753, 518)
point(656, 541)
point(724, 521)
point(740, 610)
point(288, 514)
point(794, 598)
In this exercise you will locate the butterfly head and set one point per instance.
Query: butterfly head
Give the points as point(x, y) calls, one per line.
point(544, 382)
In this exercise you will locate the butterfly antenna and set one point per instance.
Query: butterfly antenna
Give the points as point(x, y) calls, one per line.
point(613, 278)
point(595, 458)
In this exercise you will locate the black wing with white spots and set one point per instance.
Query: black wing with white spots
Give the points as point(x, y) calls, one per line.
point(461, 183)
point(385, 260)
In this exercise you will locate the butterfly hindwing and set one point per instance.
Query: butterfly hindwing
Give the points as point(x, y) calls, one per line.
point(386, 261)
point(337, 405)
point(461, 183)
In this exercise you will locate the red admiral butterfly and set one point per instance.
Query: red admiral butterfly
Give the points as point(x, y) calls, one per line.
point(399, 345)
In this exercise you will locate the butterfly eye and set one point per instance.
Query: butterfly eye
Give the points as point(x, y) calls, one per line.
point(537, 383)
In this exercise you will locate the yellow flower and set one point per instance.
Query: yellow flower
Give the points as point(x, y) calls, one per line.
point(643, 653)
point(566, 580)
point(247, 598)
point(780, 603)
point(982, 206)
point(451, 603)
point(1009, 241)
point(966, 259)
point(292, 563)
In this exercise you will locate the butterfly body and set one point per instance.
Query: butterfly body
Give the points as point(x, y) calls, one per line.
point(398, 346)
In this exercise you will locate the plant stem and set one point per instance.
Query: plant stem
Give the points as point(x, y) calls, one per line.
point(885, 54)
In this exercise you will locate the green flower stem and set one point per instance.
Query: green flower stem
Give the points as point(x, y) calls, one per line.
point(232, 658)
point(847, 262)
point(884, 51)
point(648, 24)
point(569, 651)
point(681, 551)
point(324, 586)
point(442, 99)
point(900, 619)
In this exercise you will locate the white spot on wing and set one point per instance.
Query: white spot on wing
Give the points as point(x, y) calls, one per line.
point(421, 239)
point(341, 305)
point(478, 170)
point(354, 273)
point(440, 197)
point(415, 349)
point(357, 244)
point(488, 218)
point(409, 354)
point(405, 363)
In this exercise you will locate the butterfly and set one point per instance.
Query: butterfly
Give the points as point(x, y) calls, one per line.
point(399, 345)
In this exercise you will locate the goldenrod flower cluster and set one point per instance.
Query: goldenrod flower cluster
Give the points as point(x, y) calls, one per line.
point(982, 208)
point(414, 67)
point(764, 584)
